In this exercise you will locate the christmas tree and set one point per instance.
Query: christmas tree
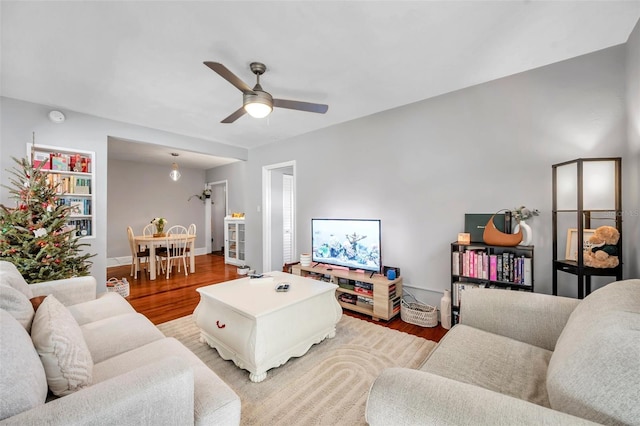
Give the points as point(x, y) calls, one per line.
point(35, 235)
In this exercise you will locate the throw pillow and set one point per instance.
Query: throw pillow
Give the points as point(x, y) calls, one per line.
point(36, 302)
point(17, 304)
point(10, 276)
point(63, 351)
point(23, 384)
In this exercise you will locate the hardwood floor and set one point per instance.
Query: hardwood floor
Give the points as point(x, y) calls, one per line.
point(167, 299)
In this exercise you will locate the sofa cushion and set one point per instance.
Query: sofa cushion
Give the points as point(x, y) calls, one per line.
point(215, 402)
point(23, 384)
point(114, 335)
point(493, 362)
point(593, 372)
point(10, 275)
point(64, 354)
point(105, 306)
point(16, 304)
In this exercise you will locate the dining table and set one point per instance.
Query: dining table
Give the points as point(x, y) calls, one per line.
point(153, 242)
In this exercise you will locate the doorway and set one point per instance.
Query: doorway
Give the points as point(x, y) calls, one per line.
point(215, 213)
point(279, 218)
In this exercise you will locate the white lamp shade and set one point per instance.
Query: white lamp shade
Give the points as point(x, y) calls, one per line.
point(599, 185)
point(258, 109)
point(174, 174)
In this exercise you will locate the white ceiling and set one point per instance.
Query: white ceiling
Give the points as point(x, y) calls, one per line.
point(142, 62)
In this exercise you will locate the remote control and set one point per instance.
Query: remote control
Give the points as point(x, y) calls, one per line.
point(282, 287)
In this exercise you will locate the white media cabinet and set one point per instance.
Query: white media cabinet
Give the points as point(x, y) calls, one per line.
point(386, 293)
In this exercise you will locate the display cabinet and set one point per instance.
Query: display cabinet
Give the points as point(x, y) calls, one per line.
point(234, 243)
point(587, 193)
point(71, 172)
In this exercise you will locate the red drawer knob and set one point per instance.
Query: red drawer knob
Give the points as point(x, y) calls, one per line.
point(220, 325)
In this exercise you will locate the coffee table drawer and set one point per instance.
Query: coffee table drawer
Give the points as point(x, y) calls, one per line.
point(224, 325)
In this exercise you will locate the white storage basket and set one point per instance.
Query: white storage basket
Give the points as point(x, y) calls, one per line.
point(119, 286)
point(418, 313)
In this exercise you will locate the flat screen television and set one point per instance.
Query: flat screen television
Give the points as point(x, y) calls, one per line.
point(352, 243)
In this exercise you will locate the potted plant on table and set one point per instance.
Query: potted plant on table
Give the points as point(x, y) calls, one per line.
point(159, 223)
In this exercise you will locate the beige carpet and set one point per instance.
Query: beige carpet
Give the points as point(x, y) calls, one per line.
point(326, 386)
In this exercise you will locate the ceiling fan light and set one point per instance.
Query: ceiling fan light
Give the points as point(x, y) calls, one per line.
point(257, 109)
point(258, 104)
point(174, 174)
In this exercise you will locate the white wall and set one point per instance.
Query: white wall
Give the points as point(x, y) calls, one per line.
point(421, 167)
point(138, 192)
point(81, 131)
point(631, 165)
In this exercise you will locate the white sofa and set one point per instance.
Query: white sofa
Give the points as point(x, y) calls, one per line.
point(524, 359)
point(136, 374)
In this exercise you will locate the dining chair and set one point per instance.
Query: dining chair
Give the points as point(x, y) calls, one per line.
point(191, 231)
point(149, 230)
point(137, 253)
point(177, 240)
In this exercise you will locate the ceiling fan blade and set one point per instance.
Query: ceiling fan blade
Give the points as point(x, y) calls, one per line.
point(301, 106)
point(229, 76)
point(233, 117)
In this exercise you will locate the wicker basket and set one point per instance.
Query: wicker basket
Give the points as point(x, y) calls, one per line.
point(418, 313)
point(119, 286)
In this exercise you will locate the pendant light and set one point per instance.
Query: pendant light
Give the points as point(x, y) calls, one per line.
point(174, 174)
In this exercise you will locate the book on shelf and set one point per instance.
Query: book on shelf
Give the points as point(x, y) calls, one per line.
point(527, 277)
point(364, 302)
point(458, 288)
point(363, 291)
point(67, 162)
point(348, 298)
point(363, 288)
point(455, 262)
point(504, 267)
point(396, 305)
point(493, 265)
point(392, 291)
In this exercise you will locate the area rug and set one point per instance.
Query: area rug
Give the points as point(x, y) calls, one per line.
point(326, 386)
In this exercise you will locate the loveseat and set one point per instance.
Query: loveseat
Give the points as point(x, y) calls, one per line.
point(524, 358)
point(82, 359)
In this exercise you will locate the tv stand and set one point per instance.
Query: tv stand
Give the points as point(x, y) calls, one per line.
point(383, 304)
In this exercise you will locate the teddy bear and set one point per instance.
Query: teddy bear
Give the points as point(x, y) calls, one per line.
point(603, 252)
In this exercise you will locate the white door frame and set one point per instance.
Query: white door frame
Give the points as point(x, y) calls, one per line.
point(266, 211)
point(207, 212)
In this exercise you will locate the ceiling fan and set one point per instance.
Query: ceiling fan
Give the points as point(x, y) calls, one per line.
point(256, 102)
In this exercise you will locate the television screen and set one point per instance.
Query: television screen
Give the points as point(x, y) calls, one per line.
point(353, 243)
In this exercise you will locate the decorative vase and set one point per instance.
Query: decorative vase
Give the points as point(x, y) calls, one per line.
point(445, 310)
point(527, 236)
point(159, 230)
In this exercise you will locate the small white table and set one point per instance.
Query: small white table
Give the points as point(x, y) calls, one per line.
point(257, 328)
point(152, 242)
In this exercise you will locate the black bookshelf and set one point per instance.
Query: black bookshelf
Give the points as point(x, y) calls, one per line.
point(517, 275)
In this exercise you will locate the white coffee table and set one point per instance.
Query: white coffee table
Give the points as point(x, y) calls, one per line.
point(257, 328)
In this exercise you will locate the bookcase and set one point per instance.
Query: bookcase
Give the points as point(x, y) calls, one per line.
point(357, 291)
point(72, 173)
point(485, 266)
point(234, 244)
